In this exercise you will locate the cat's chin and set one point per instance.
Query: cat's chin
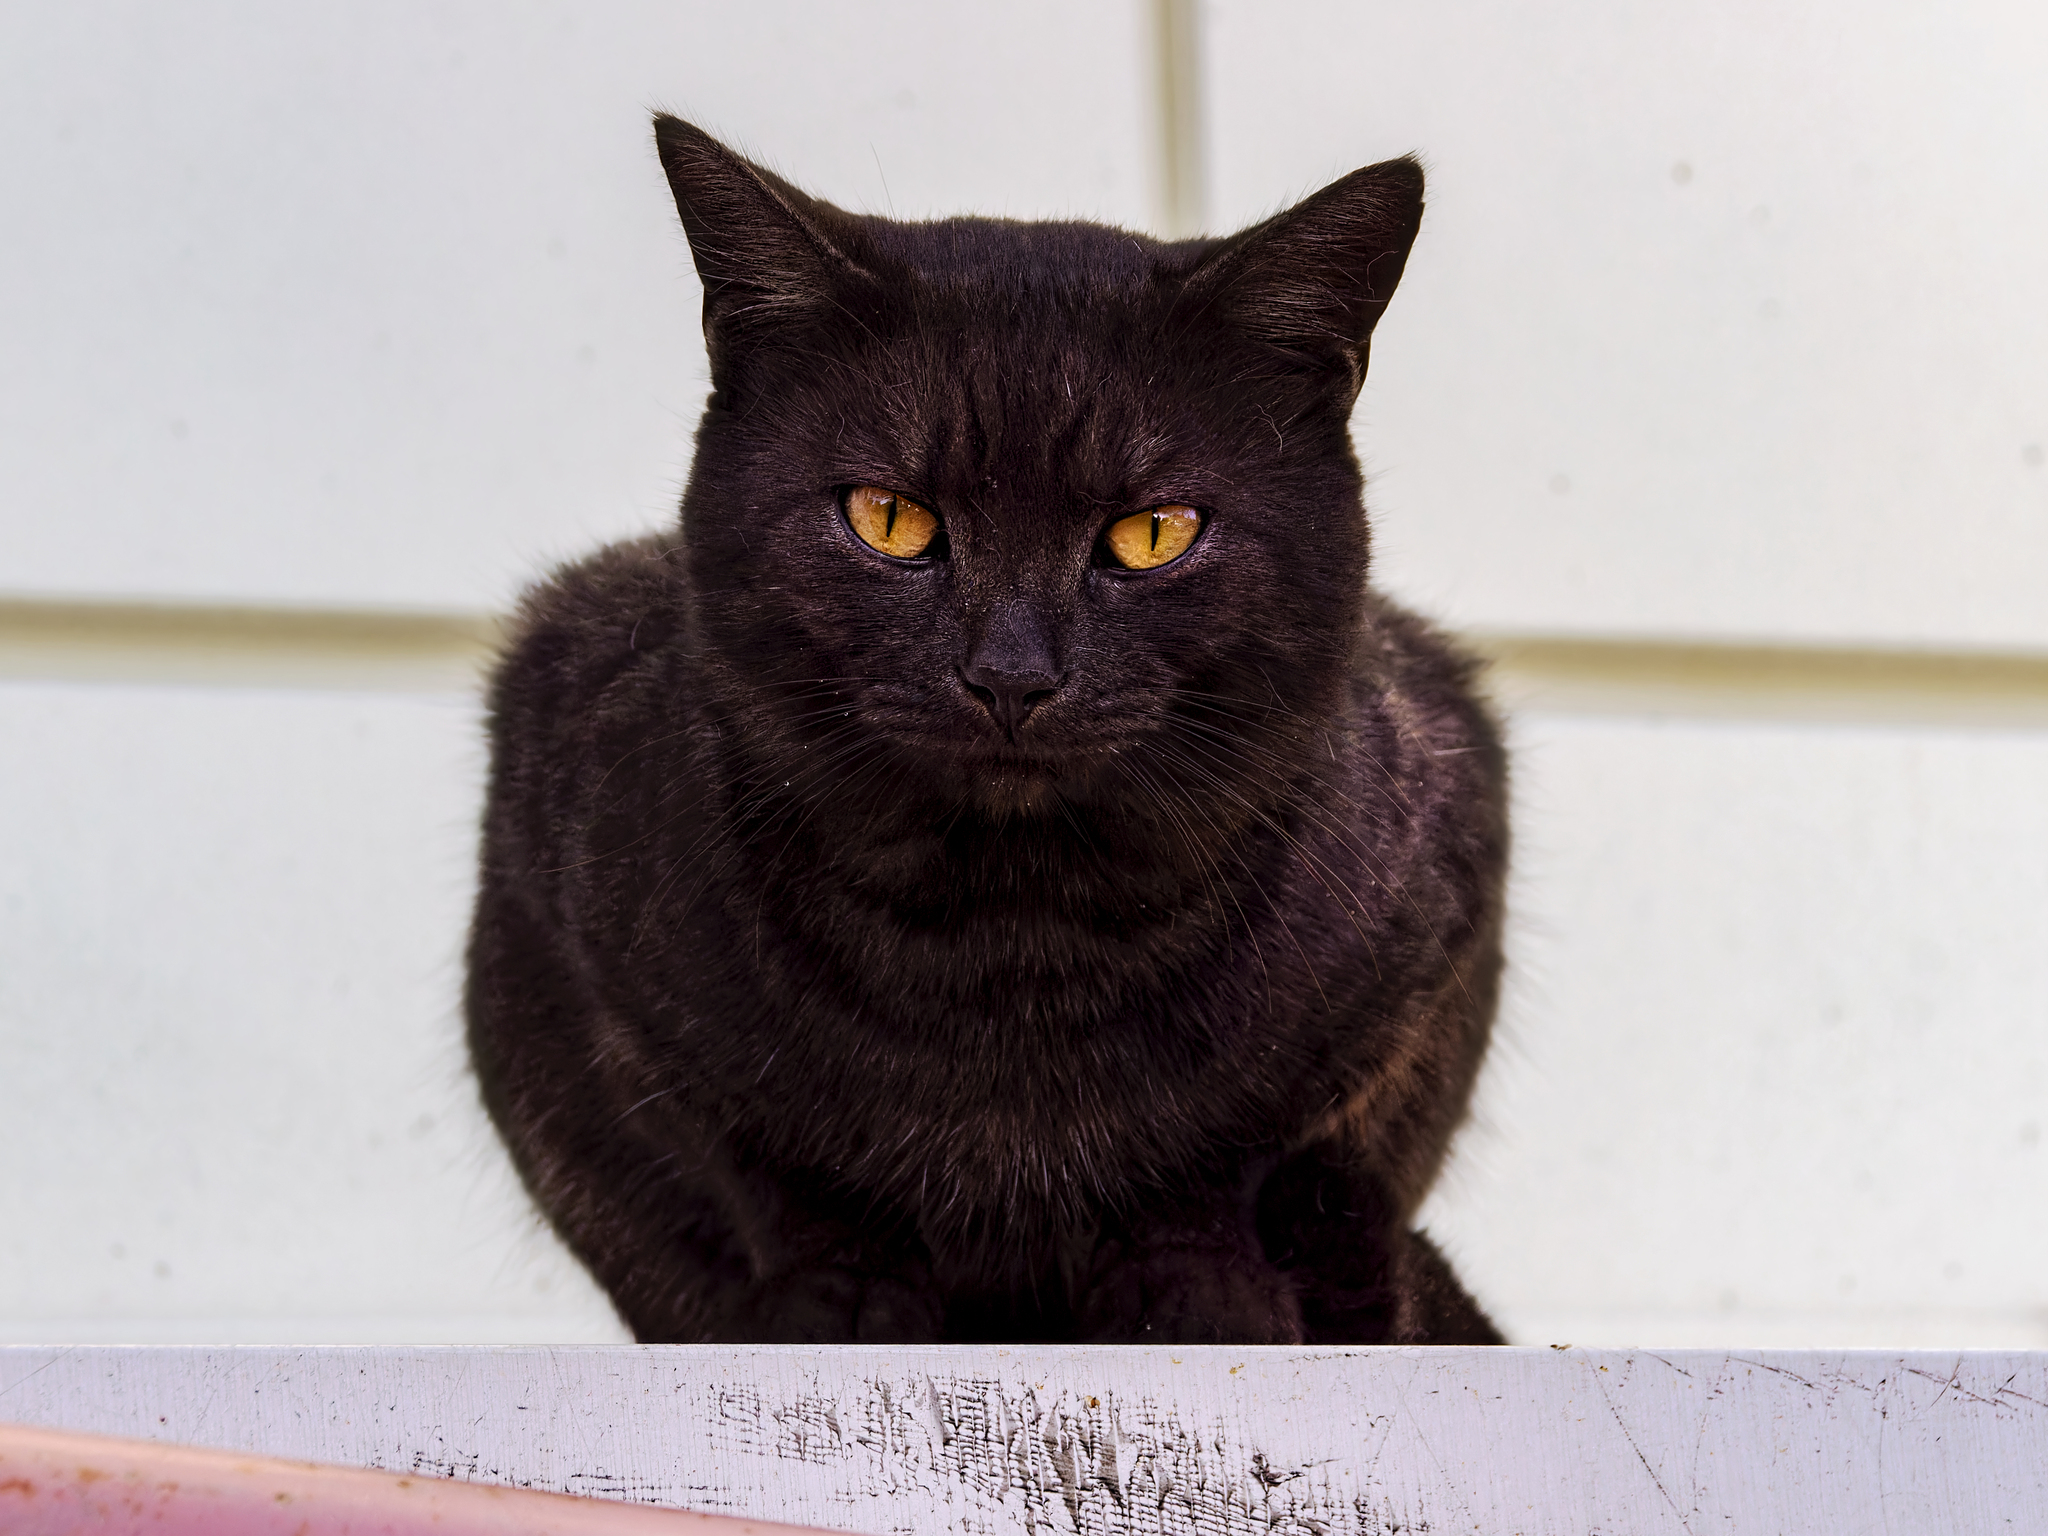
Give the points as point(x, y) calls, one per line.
point(1009, 787)
point(1006, 781)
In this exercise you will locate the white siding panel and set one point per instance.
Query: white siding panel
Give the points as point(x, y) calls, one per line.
point(233, 1101)
point(1774, 1061)
point(383, 304)
point(1725, 320)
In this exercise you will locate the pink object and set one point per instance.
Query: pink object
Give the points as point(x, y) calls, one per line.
point(54, 1483)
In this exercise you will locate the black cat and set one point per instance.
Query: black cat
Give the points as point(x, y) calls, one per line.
point(997, 871)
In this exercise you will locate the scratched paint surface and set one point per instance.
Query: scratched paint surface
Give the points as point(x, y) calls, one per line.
point(1150, 1442)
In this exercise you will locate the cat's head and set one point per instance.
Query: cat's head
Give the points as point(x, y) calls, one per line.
point(1021, 498)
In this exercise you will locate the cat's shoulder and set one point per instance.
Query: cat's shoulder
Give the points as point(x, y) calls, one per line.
point(1427, 686)
point(576, 633)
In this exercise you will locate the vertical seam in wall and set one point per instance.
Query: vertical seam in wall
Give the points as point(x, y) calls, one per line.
point(1183, 169)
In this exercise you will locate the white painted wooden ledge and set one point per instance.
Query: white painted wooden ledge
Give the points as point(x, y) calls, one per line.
point(1142, 1440)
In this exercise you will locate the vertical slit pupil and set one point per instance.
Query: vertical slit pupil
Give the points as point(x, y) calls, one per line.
point(1156, 521)
point(889, 528)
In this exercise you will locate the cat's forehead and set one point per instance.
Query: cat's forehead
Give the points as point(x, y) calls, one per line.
point(1011, 402)
point(1021, 352)
point(1070, 259)
point(1009, 363)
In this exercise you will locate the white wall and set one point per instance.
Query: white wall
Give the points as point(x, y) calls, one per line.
point(1774, 1058)
point(1725, 320)
point(236, 1104)
point(374, 312)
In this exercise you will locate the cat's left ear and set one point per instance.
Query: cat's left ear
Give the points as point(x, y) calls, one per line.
point(771, 258)
point(1313, 281)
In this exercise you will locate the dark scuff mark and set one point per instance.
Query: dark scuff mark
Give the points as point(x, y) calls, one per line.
point(1000, 1459)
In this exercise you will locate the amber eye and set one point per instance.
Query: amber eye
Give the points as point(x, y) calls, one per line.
point(1148, 539)
point(894, 524)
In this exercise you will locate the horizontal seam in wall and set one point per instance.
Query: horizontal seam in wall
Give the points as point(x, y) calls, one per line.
point(1640, 676)
point(228, 646)
point(447, 652)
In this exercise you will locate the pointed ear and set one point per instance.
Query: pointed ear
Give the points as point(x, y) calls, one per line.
point(768, 255)
point(1313, 281)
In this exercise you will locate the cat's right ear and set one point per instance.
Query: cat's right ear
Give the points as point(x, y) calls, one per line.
point(1312, 282)
point(769, 256)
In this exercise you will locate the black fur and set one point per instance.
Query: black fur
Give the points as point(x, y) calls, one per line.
point(817, 996)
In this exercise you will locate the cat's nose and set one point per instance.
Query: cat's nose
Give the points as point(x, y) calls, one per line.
point(1009, 697)
point(1012, 670)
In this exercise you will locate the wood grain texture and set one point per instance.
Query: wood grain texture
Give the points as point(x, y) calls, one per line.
point(1102, 1441)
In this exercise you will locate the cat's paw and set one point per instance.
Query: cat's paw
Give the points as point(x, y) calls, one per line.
point(896, 1310)
point(1185, 1288)
point(1362, 1276)
point(839, 1305)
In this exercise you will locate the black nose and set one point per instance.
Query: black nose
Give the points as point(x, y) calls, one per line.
point(1009, 696)
point(1012, 670)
